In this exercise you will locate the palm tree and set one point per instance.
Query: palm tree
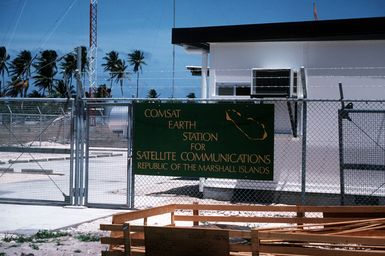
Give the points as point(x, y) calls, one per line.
point(120, 73)
point(4, 57)
point(116, 67)
point(136, 59)
point(46, 71)
point(102, 92)
point(111, 59)
point(84, 63)
point(68, 66)
point(20, 70)
point(152, 94)
point(63, 90)
point(191, 95)
point(35, 94)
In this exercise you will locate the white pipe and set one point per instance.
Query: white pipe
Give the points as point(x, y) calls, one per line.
point(205, 58)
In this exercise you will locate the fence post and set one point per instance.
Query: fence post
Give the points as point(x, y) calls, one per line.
point(130, 174)
point(304, 135)
point(341, 156)
point(79, 137)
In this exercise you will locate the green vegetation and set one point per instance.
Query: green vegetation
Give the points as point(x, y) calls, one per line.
point(54, 75)
point(88, 237)
point(152, 94)
point(34, 246)
point(41, 236)
point(136, 60)
point(47, 234)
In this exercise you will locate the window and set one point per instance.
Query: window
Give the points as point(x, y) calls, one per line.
point(233, 89)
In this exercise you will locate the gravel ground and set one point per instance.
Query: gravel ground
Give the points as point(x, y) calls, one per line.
point(79, 240)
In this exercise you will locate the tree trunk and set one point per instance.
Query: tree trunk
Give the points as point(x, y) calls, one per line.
point(137, 84)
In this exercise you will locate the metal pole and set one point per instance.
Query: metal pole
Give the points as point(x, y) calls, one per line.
point(72, 134)
point(341, 152)
point(173, 55)
point(87, 137)
point(130, 174)
point(204, 93)
point(81, 157)
point(78, 153)
point(304, 137)
point(40, 122)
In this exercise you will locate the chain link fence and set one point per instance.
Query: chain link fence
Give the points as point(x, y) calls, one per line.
point(34, 149)
point(324, 154)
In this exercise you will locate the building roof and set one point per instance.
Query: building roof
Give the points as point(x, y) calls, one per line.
point(320, 30)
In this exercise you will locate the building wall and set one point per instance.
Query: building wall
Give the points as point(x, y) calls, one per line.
point(327, 64)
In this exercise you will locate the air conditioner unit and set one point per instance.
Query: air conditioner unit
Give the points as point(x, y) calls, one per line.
point(273, 83)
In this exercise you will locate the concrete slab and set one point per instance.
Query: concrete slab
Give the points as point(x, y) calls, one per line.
point(28, 219)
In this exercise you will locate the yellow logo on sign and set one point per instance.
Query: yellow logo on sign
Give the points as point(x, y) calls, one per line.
point(248, 126)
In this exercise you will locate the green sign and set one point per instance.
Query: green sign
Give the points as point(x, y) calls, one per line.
point(220, 140)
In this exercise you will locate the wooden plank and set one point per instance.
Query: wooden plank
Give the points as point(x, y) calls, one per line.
point(334, 224)
point(218, 207)
point(111, 227)
point(127, 239)
point(240, 247)
point(292, 220)
point(287, 250)
point(112, 253)
point(112, 240)
point(240, 254)
point(138, 251)
point(255, 242)
point(195, 213)
point(239, 233)
point(281, 208)
point(321, 238)
point(137, 228)
point(140, 214)
point(167, 241)
point(137, 242)
point(362, 215)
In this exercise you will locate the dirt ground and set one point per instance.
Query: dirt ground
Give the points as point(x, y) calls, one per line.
point(79, 240)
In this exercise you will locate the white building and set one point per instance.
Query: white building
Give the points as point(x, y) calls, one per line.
point(233, 51)
point(264, 61)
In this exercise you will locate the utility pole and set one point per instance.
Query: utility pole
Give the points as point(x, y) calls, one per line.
point(92, 64)
point(173, 53)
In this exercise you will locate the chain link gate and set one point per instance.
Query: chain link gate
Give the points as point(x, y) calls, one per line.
point(362, 154)
point(35, 162)
point(108, 179)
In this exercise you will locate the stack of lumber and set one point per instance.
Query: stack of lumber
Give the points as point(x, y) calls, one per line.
point(218, 230)
point(347, 238)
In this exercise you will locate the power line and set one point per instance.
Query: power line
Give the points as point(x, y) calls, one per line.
point(57, 23)
point(17, 23)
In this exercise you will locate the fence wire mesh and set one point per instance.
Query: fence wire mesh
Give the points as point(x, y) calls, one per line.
point(307, 166)
point(363, 154)
point(107, 154)
point(35, 149)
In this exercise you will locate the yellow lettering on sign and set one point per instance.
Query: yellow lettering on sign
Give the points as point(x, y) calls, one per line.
point(200, 136)
point(162, 113)
point(182, 125)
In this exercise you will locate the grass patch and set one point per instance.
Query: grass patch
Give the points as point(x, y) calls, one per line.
point(17, 238)
point(88, 237)
point(41, 236)
point(34, 246)
point(3, 254)
point(46, 234)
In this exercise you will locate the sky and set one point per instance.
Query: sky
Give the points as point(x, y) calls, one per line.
point(125, 25)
